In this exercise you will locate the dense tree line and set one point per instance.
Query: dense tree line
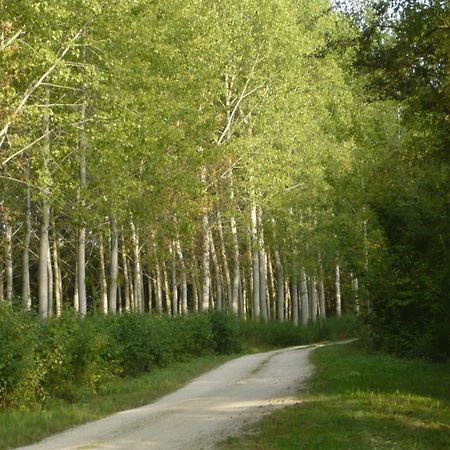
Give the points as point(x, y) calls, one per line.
point(254, 157)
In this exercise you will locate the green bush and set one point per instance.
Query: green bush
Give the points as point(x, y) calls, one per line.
point(68, 356)
point(226, 332)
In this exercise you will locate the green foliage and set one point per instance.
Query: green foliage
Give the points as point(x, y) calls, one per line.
point(68, 357)
point(226, 330)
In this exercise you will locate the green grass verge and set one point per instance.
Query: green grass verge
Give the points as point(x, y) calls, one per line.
point(20, 426)
point(358, 400)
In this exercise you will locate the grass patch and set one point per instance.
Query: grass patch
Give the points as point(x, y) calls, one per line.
point(21, 427)
point(358, 400)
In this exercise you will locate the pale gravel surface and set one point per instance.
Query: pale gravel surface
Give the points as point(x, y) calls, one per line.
point(204, 412)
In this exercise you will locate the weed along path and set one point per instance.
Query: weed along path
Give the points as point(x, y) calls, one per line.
point(202, 413)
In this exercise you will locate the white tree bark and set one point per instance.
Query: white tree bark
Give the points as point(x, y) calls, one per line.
point(76, 304)
point(103, 282)
point(26, 293)
point(219, 289)
point(280, 283)
point(166, 289)
point(138, 280)
point(9, 262)
point(255, 263)
point(158, 287)
point(206, 265)
point(338, 291)
point(50, 283)
point(226, 269)
point(184, 288)
point(304, 298)
point(174, 280)
point(294, 296)
point(57, 271)
point(355, 291)
point(113, 268)
point(322, 302)
point(314, 299)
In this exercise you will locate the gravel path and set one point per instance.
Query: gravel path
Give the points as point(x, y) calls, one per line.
point(204, 412)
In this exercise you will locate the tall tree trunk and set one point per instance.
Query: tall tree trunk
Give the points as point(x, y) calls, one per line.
point(9, 262)
point(271, 295)
point(158, 288)
point(26, 293)
point(206, 265)
point(82, 271)
point(184, 289)
point(113, 268)
point(83, 182)
point(174, 280)
point(57, 271)
point(103, 282)
point(304, 297)
point(255, 263)
point(355, 291)
point(166, 289)
point(280, 283)
point(338, 291)
point(76, 304)
point(314, 299)
point(236, 268)
point(219, 288)
point(262, 269)
point(50, 283)
point(2, 282)
point(138, 283)
point(226, 268)
point(195, 284)
point(294, 296)
point(322, 302)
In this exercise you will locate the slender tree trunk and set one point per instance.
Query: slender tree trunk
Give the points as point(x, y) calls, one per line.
point(103, 282)
point(113, 268)
point(166, 289)
point(280, 283)
point(174, 280)
point(50, 283)
point(26, 293)
point(158, 287)
point(195, 284)
point(206, 264)
point(355, 289)
point(262, 269)
point(255, 263)
point(138, 283)
point(226, 269)
point(9, 262)
point(236, 268)
point(294, 296)
point(57, 271)
point(270, 291)
point(304, 298)
point(184, 290)
point(219, 289)
point(76, 304)
point(338, 291)
point(2, 282)
point(126, 276)
point(323, 312)
point(314, 299)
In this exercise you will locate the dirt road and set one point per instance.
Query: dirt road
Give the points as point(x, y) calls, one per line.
point(202, 413)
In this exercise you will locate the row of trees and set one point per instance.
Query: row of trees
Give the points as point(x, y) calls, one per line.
point(246, 156)
point(175, 158)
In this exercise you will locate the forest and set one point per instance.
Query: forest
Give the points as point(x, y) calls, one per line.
point(273, 160)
